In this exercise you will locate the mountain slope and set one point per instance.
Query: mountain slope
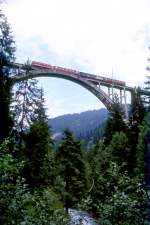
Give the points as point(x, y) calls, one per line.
point(82, 125)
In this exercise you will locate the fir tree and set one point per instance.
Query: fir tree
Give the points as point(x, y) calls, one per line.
point(115, 123)
point(138, 111)
point(137, 116)
point(99, 160)
point(72, 168)
point(120, 151)
point(7, 51)
point(38, 151)
point(141, 153)
point(25, 104)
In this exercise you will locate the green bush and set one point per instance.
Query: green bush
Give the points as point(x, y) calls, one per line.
point(19, 206)
point(127, 203)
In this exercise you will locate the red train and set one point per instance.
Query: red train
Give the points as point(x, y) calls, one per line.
point(54, 68)
point(103, 79)
point(113, 81)
point(58, 69)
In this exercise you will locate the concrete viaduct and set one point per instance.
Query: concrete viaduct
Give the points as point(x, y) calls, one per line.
point(93, 83)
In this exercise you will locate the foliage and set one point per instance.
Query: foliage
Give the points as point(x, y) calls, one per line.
point(38, 152)
point(124, 201)
point(72, 168)
point(10, 180)
point(118, 196)
point(27, 98)
point(37, 209)
point(26, 101)
point(141, 153)
point(18, 205)
point(115, 123)
point(119, 150)
point(127, 203)
point(7, 50)
point(99, 160)
point(138, 113)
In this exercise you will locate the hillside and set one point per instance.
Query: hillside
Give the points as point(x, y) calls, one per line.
point(85, 125)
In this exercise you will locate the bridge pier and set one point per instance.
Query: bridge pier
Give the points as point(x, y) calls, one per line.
point(120, 96)
point(125, 105)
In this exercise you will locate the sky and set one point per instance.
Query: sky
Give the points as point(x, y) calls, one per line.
point(105, 37)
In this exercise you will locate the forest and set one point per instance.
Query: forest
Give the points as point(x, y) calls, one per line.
point(40, 183)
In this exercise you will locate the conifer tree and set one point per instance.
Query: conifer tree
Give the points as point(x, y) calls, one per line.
point(138, 111)
point(18, 205)
point(137, 115)
point(99, 160)
point(141, 153)
point(115, 123)
point(24, 108)
point(38, 151)
point(7, 50)
point(120, 151)
point(72, 168)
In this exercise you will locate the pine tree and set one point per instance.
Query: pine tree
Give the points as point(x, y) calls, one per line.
point(7, 50)
point(137, 115)
point(72, 168)
point(25, 104)
point(38, 151)
point(141, 153)
point(99, 160)
point(115, 123)
point(120, 151)
point(138, 111)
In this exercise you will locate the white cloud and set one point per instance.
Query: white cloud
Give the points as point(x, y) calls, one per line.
point(94, 35)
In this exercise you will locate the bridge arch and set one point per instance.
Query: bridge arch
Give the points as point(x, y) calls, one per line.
point(97, 91)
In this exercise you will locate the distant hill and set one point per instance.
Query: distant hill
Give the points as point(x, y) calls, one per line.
point(86, 125)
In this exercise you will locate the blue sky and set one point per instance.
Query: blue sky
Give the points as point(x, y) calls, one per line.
point(94, 36)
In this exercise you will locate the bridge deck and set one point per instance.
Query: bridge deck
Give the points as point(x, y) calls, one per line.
point(97, 80)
